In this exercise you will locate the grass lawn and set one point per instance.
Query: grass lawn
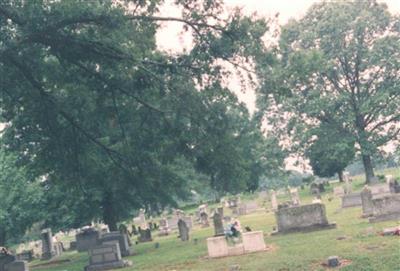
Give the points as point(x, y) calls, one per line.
point(363, 247)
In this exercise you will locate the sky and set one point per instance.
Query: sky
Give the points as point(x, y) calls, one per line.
point(170, 39)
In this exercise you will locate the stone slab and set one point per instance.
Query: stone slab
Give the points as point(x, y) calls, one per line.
point(253, 241)
point(302, 218)
point(17, 266)
point(351, 200)
point(217, 247)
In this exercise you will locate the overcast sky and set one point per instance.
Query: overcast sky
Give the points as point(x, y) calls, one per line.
point(170, 38)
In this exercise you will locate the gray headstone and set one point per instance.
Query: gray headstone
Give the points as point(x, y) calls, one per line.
point(17, 266)
point(47, 244)
point(218, 225)
point(183, 230)
point(5, 259)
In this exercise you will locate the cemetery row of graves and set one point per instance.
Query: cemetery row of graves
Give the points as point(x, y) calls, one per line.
point(208, 229)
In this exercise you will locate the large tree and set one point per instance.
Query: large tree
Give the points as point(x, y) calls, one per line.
point(340, 64)
point(93, 106)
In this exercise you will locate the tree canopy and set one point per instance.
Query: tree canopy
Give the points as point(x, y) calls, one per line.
point(338, 65)
point(108, 120)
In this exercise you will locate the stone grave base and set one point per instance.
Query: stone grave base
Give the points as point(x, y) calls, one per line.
point(108, 266)
point(307, 229)
point(385, 217)
point(351, 200)
point(16, 266)
point(252, 242)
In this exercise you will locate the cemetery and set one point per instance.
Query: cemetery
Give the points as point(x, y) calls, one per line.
point(199, 135)
point(296, 225)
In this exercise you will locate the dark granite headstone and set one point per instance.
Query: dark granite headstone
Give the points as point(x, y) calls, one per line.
point(218, 225)
point(183, 230)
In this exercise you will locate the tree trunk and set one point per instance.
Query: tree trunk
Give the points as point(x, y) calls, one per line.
point(109, 216)
point(340, 175)
point(2, 237)
point(369, 170)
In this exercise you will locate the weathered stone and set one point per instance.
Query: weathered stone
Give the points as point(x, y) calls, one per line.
point(122, 240)
point(204, 220)
point(351, 200)
point(47, 245)
point(217, 247)
point(366, 200)
point(144, 235)
point(236, 250)
point(338, 191)
point(173, 223)
point(218, 224)
point(105, 257)
point(333, 261)
point(253, 241)
point(87, 239)
point(26, 255)
point(301, 218)
point(164, 227)
point(5, 259)
point(386, 208)
point(183, 230)
point(17, 266)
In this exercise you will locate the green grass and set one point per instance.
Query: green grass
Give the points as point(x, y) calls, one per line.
point(365, 249)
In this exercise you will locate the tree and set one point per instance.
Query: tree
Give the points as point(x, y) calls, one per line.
point(21, 201)
point(330, 153)
point(340, 65)
point(105, 118)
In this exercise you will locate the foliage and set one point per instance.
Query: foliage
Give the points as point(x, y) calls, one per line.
point(330, 153)
point(94, 108)
point(339, 66)
point(21, 200)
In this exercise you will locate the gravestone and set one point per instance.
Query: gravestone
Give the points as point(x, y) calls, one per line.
point(274, 200)
point(347, 187)
point(5, 258)
point(338, 191)
point(302, 218)
point(173, 223)
point(164, 228)
point(351, 200)
point(48, 251)
point(144, 236)
point(217, 247)
point(26, 255)
point(86, 239)
point(380, 189)
point(105, 257)
point(204, 220)
point(183, 230)
point(218, 224)
point(17, 266)
point(386, 208)
point(253, 241)
point(366, 200)
point(122, 240)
